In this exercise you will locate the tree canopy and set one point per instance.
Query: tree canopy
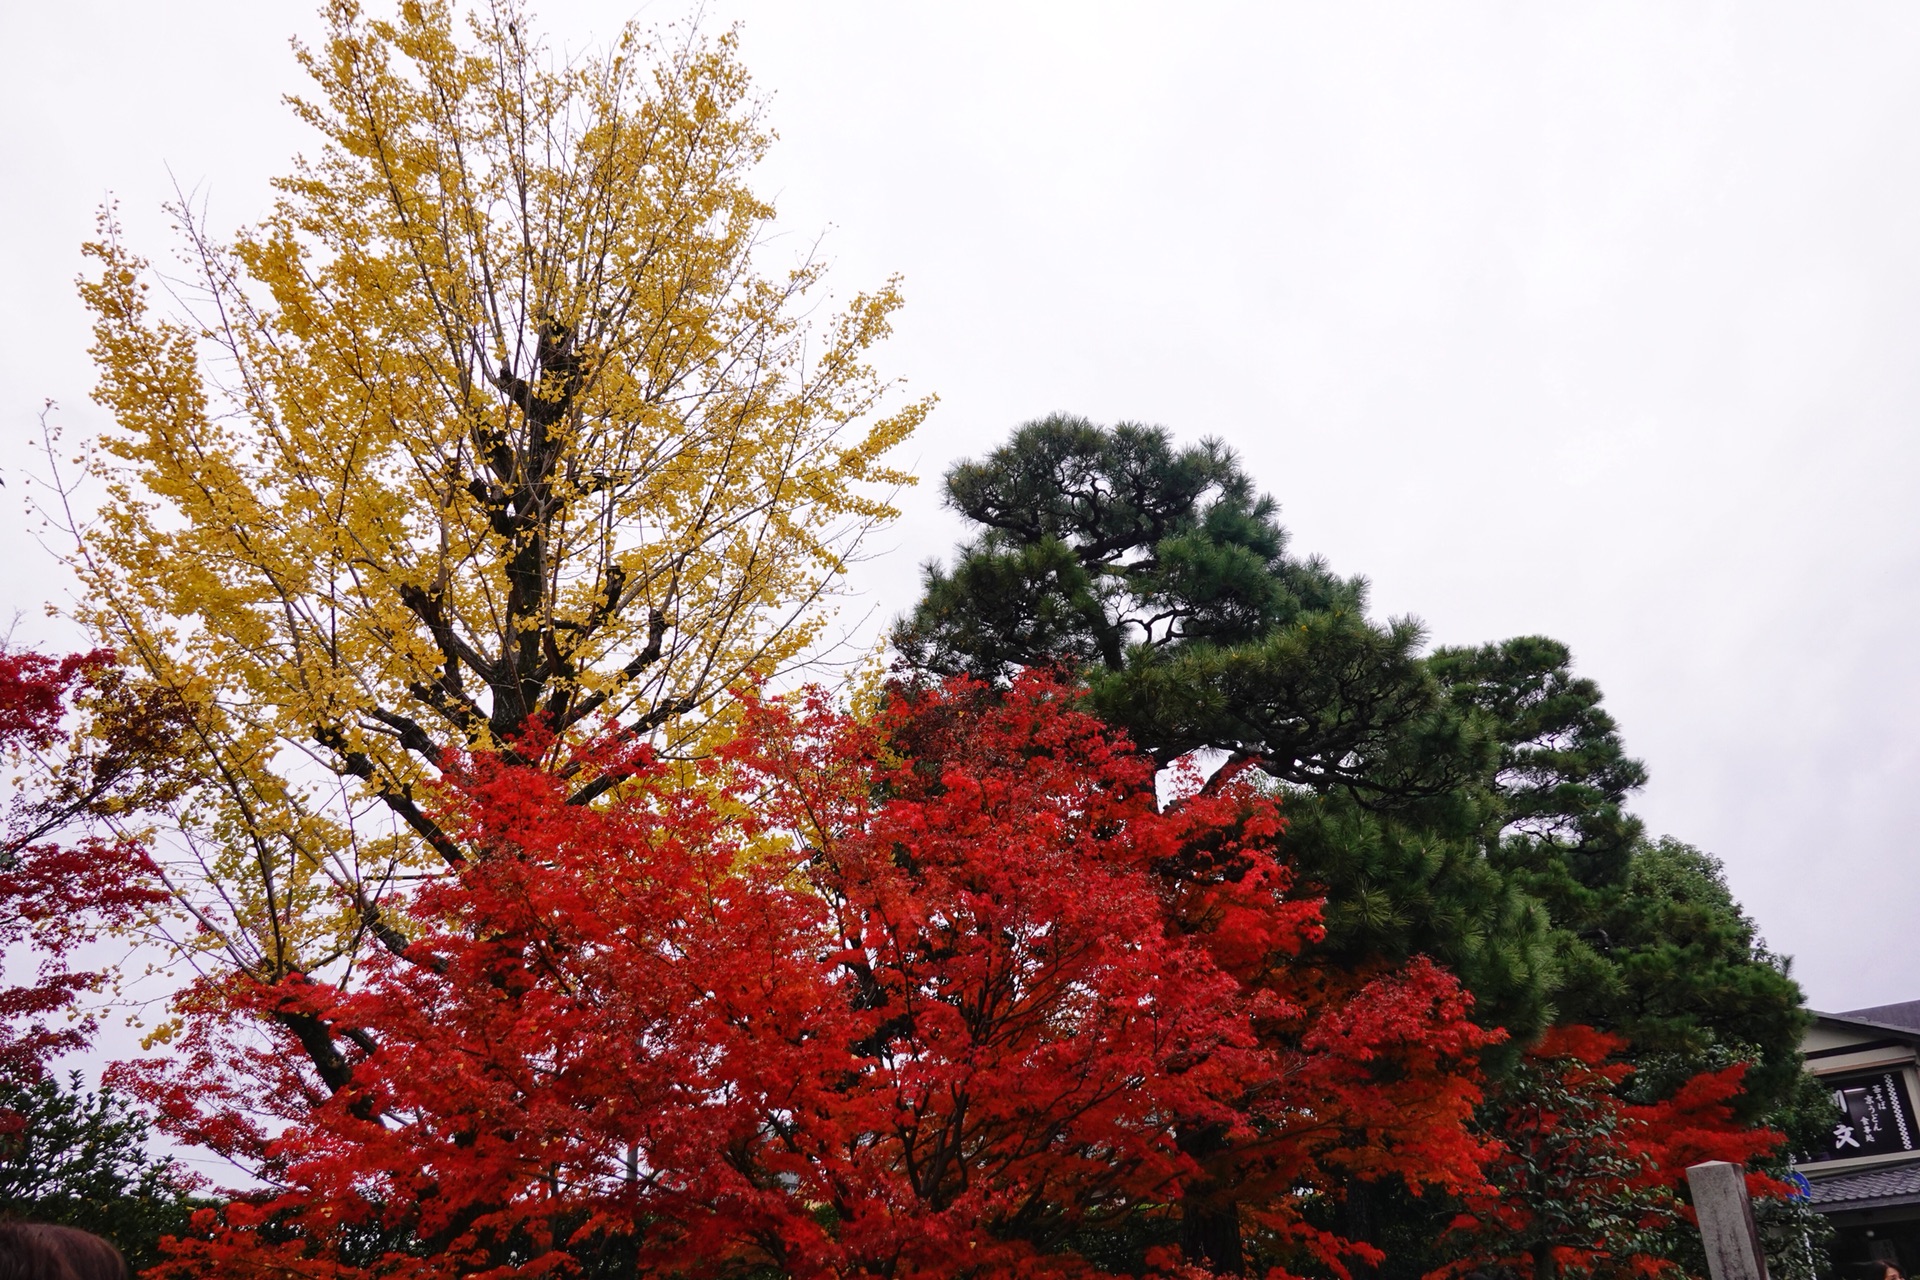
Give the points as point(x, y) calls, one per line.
point(499, 416)
point(81, 1159)
point(62, 885)
point(938, 993)
point(1165, 578)
point(1466, 803)
point(1165, 914)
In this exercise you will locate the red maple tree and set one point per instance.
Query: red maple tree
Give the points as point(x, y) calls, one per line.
point(940, 993)
point(59, 889)
point(1587, 1183)
point(1368, 1073)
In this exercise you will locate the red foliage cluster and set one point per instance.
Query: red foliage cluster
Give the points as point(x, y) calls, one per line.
point(54, 896)
point(1587, 1183)
point(941, 994)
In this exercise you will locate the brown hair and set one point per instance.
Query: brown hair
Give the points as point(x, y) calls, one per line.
point(27, 1254)
point(42, 1251)
point(91, 1257)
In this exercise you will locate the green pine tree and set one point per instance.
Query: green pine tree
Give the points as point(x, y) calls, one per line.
point(1164, 580)
point(1470, 803)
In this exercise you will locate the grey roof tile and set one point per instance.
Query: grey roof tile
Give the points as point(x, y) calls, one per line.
point(1866, 1184)
point(1905, 1014)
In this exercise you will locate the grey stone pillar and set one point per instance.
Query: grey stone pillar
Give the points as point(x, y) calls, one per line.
point(1725, 1211)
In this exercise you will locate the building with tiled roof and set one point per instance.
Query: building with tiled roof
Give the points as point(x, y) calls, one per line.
point(1866, 1175)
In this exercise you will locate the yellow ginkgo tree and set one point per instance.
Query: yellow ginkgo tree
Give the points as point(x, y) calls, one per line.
point(496, 416)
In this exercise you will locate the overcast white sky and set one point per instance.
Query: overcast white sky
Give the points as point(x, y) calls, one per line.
point(1598, 321)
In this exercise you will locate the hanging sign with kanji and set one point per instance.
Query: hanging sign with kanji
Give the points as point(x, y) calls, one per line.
point(1876, 1116)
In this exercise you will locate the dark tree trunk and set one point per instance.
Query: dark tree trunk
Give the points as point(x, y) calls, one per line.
point(1209, 1224)
point(1357, 1219)
point(1210, 1236)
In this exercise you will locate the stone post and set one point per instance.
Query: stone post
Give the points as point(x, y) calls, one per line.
point(1725, 1210)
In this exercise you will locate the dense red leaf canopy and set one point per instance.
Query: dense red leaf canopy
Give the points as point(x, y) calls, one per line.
point(1585, 1182)
point(939, 993)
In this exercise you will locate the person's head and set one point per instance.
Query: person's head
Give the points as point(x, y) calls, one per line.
point(27, 1254)
point(91, 1257)
point(41, 1251)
